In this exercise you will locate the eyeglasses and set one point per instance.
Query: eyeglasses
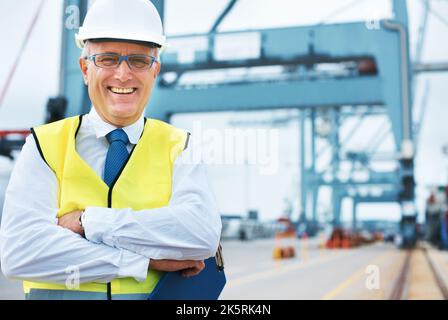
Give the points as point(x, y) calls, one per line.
point(136, 62)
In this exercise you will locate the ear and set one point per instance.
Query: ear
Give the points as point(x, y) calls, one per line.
point(83, 65)
point(157, 69)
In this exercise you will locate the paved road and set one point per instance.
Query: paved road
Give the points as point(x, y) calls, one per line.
point(367, 272)
point(313, 274)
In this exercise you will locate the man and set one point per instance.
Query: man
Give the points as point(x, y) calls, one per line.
point(130, 200)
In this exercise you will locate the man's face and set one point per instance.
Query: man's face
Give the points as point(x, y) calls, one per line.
point(119, 109)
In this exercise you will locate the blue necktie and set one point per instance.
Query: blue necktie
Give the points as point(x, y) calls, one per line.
point(116, 155)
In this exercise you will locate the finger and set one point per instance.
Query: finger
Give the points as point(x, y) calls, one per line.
point(62, 224)
point(195, 272)
point(60, 221)
point(200, 265)
point(189, 264)
point(187, 273)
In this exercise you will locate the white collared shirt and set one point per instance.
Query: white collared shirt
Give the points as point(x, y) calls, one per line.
point(119, 242)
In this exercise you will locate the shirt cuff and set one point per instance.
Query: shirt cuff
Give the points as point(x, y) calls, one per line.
point(133, 265)
point(96, 222)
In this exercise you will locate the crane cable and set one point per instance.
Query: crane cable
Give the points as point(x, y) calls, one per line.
point(341, 10)
point(438, 16)
point(22, 49)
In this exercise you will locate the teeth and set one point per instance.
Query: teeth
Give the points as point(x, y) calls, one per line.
point(122, 90)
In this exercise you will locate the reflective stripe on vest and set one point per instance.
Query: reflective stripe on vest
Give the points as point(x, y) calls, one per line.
point(144, 183)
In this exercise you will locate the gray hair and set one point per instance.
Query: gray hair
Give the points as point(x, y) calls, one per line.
point(86, 50)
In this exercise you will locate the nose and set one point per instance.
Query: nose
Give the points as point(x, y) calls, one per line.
point(123, 73)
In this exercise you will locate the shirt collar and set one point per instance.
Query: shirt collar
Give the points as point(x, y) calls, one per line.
point(102, 128)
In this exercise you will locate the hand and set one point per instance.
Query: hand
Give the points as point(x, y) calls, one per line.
point(71, 221)
point(188, 268)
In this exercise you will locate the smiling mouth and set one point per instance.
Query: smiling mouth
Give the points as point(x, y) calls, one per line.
point(116, 90)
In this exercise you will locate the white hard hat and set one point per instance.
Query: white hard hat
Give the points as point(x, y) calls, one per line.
point(136, 20)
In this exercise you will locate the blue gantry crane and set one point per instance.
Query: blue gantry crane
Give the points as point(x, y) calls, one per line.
point(372, 76)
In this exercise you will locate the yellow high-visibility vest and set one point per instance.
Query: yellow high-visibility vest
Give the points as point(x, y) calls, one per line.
point(144, 183)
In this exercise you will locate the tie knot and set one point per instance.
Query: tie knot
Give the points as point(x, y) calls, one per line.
point(117, 135)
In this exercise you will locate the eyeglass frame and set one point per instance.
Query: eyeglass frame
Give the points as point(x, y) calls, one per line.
point(121, 59)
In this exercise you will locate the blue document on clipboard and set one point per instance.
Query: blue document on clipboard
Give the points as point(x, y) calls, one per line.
point(207, 285)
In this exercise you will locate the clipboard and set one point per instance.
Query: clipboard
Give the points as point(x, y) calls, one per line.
point(207, 285)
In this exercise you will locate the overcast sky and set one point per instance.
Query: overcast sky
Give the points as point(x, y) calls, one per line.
point(37, 74)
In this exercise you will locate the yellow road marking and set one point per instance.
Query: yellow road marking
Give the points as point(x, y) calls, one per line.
point(354, 277)
point(278, 270)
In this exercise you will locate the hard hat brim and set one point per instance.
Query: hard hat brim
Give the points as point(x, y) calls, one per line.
point(83, 36)
point(143, 43)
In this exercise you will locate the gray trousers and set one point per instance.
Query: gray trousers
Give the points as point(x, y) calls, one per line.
point(43, 294)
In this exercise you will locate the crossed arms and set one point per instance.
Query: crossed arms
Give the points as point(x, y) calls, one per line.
point(118, 243)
